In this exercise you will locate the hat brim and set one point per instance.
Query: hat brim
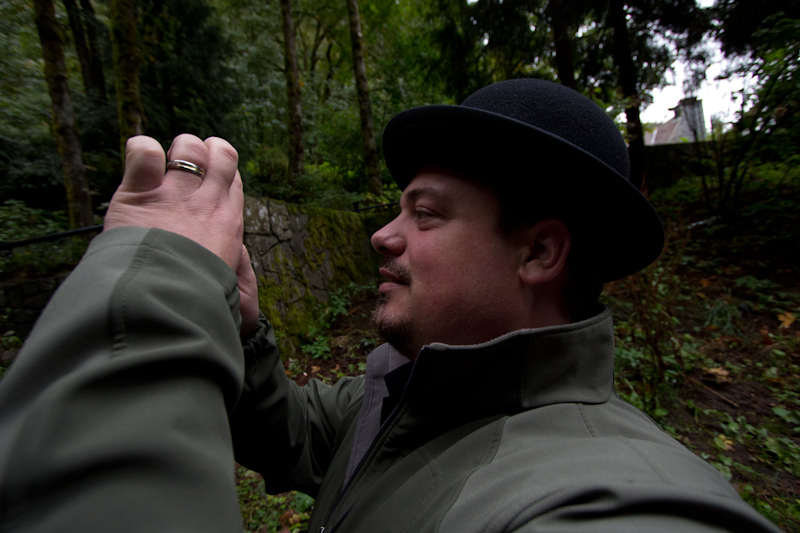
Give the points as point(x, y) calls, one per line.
point(621, 227)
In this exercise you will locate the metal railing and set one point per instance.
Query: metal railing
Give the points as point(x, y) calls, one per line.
point(10, 245)
point(358, 209)
point(51, 237)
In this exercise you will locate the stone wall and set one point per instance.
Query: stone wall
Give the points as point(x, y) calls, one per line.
point(300, 256)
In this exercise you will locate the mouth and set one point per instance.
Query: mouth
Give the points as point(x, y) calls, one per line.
point(395, 275)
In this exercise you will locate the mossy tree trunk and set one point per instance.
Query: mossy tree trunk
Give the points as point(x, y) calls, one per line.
point(127, 58)
point(79, 202)
point(371, 159)
point(293, 93)
point(95, 57)
point(79, 37)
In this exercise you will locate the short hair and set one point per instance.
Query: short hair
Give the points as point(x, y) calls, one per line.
point(521, 209)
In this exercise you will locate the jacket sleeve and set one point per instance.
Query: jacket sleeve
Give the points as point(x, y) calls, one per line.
point(114, 416)
point(286, 432)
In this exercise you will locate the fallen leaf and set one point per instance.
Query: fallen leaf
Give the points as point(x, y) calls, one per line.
point(787, 319)
point(719, 375)
point(705, 282)
point(712, 327)
point(289, 518)
point(336, 369)
point(315, 369)
point(723, 443)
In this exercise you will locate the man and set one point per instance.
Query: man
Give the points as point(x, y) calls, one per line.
point(492, 408)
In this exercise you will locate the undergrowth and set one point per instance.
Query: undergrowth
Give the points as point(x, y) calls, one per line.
point(18, 222)
point(709, 346)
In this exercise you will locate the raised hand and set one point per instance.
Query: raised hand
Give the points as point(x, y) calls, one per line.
point(207, 210)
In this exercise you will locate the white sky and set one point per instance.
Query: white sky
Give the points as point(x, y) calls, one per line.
point(715, 94)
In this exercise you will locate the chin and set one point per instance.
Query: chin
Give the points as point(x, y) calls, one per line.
point(395, 328)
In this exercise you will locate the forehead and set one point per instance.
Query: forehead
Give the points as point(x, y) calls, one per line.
point(450, 187)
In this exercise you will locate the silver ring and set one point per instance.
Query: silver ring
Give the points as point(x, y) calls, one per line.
point(180, 164)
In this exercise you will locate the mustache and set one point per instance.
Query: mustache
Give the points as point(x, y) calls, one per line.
point(397, 270)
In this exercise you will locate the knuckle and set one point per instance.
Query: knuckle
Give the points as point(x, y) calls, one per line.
point(224, 147)
point(187, 146)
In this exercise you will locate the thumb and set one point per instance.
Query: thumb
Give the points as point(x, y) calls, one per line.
point(144, 165)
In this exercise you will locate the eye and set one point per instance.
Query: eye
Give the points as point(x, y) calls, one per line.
point(421, 215)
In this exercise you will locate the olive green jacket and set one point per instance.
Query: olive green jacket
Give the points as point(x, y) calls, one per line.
point(522, 433)
point(114, 415)
point(119, 411)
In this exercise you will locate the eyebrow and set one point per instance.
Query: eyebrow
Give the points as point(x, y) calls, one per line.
point(415, 194)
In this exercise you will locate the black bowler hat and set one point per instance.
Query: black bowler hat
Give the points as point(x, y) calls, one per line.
point(549, 143)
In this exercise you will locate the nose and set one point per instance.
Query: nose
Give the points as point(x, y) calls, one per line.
point(389, 240)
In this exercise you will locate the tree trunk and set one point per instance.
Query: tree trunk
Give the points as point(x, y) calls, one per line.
point(127, 57)
point(371, 159)
point(565, 54)
point(627, 80)
point(78, 35)
point(293, 93)
point(79, 203)
point(95, 57)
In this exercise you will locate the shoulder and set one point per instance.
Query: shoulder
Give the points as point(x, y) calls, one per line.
point(566, 462)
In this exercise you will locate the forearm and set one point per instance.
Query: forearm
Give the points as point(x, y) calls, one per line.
point(114, 416)
point(284, 431)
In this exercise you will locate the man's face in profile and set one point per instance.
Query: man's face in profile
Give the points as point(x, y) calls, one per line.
point(451, 276)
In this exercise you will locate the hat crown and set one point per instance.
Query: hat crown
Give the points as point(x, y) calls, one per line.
point(559, 111)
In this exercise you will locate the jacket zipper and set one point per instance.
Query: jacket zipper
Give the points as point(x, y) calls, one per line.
point(363, 460)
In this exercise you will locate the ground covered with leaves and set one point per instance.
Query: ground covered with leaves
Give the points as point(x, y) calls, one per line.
point(708, 344)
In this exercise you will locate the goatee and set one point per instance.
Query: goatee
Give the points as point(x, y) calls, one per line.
point(394, 330)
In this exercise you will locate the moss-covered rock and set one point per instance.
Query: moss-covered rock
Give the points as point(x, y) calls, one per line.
point(301, 255)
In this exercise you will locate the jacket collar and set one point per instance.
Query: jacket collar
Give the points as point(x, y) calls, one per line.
point(518, 371)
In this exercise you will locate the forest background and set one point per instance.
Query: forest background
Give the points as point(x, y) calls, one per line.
point(303, 88)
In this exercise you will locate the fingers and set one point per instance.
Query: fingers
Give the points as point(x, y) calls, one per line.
point(189, 148)
point(223, 160)
point(144, 165)
point(248, 294)
point(244, 268)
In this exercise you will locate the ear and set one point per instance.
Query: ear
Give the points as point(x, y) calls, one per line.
point(547, 247)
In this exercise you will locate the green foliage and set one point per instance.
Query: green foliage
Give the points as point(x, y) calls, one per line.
point(767, 128)
point(9, 342)
point(724, 315)
point(322, 185)
point(186, 85)
point(287, 512)
point(651, 353)
point(29, 161)
point(317, 343)
point(781, 452)
point(777, 511)
point(19, 222)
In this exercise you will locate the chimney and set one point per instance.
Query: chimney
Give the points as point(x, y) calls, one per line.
point(692, 109)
